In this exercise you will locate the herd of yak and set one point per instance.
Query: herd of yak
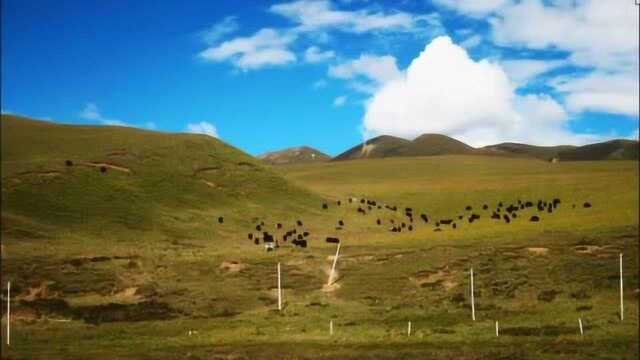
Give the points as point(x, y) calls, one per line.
point(299, 236)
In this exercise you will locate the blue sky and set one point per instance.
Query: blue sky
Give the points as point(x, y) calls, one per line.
point(326, 73)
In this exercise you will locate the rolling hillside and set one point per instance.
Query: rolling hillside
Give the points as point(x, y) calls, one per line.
point(436, 144)
point(89, 178)
point(391, 146)
point(525, 150)
point(294, 155)
point(610, 150)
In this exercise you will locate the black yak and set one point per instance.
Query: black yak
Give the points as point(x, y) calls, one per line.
point(299, 223)
point(250, 236)
point(340, 222)
point(446, 221)
point(220, 219)
point(424, 218)
point(468, 208)
point(534, 218)
point(332, 240)
point(506, 218)
point(586, 205)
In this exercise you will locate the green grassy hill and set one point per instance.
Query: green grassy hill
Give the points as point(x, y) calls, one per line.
point(294, 155)
point(525, 150)
point(391, 146)
point(171, 183)
point(132, 263)
point(436, 144)
point(610, 150)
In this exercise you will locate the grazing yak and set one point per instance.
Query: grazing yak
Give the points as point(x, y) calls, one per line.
point(258, 228)
point(485, 207)
point(586, 205)
point(325, 206)
point(250, 236)
point(378, 222)
point(299, 223)
point(446, 221)
point(534, 218)
point(279, 225)
point(340, 222)
point(220, 219)
point(424, 218)
point(468, 208)
point(495, 215)
point(506, 218)
point(256, 241)
point(301, 243)
point(333, 240)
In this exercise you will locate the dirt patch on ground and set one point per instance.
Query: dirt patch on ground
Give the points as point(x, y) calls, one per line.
point(208, 183)
point(107, 165)
point(118, 152)
point(232, 266)
point(38, 292)
point(539, 331)
point(586, 249)
point(540, 251)
point(443, 278)
point(206, 169)
point(144, 311)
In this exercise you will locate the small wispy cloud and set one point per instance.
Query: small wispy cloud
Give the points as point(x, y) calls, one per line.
point(313, 54)
point(319, 84)
point(340, 101)
point(203, 127)
point(220, 29)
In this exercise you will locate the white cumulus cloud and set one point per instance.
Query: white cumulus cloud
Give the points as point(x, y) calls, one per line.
point(203, 127)
point(600, 91)
point(445, 91)
point(267, 47)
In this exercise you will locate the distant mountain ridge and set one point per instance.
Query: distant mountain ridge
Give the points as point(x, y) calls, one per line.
point(293, 155)
point(437, 144)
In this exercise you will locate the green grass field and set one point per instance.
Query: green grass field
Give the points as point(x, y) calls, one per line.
point(125, 264)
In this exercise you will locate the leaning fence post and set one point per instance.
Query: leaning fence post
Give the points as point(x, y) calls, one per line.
point(333, 267)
